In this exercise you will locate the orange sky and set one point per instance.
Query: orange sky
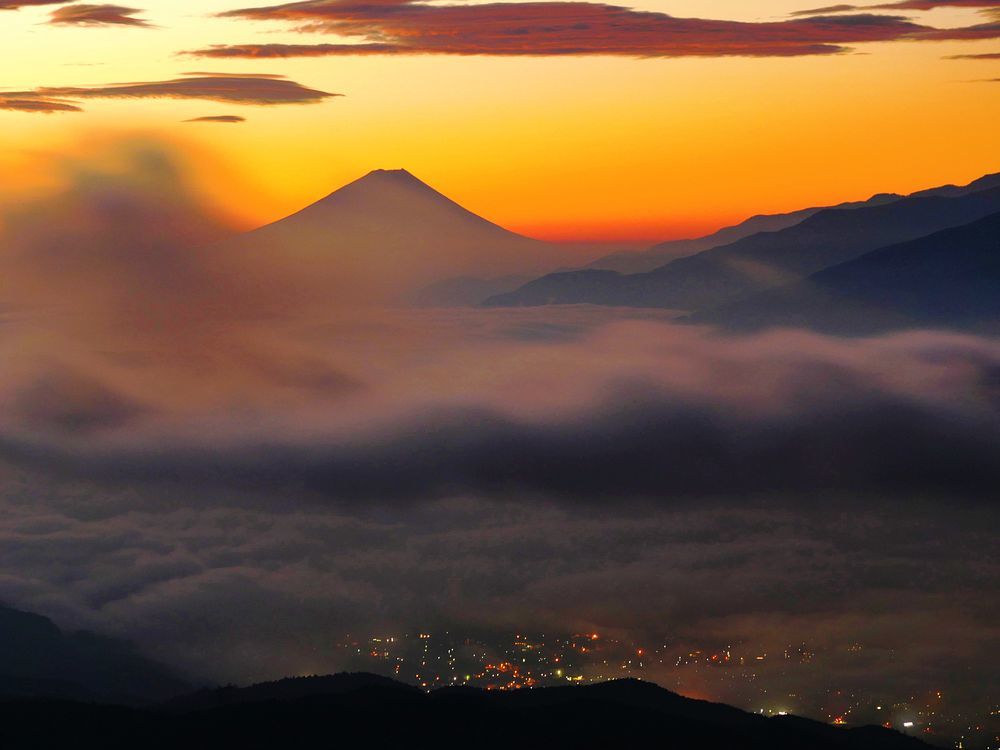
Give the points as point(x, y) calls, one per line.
point(570, 147)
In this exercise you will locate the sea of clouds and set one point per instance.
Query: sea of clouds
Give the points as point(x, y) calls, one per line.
point(216, 457)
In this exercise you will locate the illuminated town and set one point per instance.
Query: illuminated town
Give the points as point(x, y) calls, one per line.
point(755, 679)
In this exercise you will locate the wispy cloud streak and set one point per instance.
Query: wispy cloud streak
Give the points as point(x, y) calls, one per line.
point(261, 90)
point(556, 28)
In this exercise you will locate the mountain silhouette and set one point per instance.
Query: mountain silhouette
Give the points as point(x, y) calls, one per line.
point(388, 234)
point(288, 689)
point(38, 659)
point(954, 191)
point(368, 711)
point(665, 252)
point(950, 279)
point(769, 259)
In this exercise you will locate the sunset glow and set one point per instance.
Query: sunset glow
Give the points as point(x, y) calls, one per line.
point(568, 147)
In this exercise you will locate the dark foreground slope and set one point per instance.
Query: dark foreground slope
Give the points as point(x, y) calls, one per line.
point(364, 711)
point(950, 279)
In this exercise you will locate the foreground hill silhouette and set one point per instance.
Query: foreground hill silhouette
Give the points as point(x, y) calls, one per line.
point(950, 279)
point(368, 711)
point(769, 259)
point(388, 234)
point(38, 659)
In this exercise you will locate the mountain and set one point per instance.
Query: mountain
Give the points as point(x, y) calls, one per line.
point(665, 252)
point(373, 713)
point(288, 689)
point(389, 234)
point(950, 279)
point(38, 659)
point(762, 261)
point(954, 191)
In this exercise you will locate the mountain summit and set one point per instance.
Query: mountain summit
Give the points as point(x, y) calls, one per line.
point(388, 233)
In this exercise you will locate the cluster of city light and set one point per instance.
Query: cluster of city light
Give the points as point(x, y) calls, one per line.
point(523, 662)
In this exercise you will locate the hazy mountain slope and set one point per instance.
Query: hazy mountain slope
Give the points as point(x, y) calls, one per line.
point(665, 252)
point(388, 233)
point(948, 279)
point(37, 658)
point(721, 275)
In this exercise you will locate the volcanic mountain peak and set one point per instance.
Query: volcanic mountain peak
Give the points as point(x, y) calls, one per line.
point(399, 174)
point(398, 200)
point(388, 233)
point(386, 178)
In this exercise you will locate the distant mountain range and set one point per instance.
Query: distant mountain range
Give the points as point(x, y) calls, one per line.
point(38, 659)
point(362, 710)
point(948, 279)
point(659, 255)
point(665, 252)
point(721, 277)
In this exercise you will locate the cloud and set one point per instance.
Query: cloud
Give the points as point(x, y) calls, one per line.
point(825, 10)
point(202, 453)
point(966, 33)
point(262, 90)
point(921, 5)
point(933, 4)
point(984, 56)
point(43, 105)
point(97, 15)
point(219, 118)
point(270, 51)
point(135, 220)
point(554, 28)
point(200, 580)
point(18, 4)
point(66, 401)
point(663, 428)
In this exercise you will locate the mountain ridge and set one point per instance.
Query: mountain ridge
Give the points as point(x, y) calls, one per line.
point(765, 260)
point(949, 279)
point(367, 710)
point(664, 252)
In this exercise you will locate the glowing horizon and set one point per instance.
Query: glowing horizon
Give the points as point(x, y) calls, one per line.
point(573, 148)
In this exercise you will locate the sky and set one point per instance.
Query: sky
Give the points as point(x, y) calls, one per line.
point(570, 135)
